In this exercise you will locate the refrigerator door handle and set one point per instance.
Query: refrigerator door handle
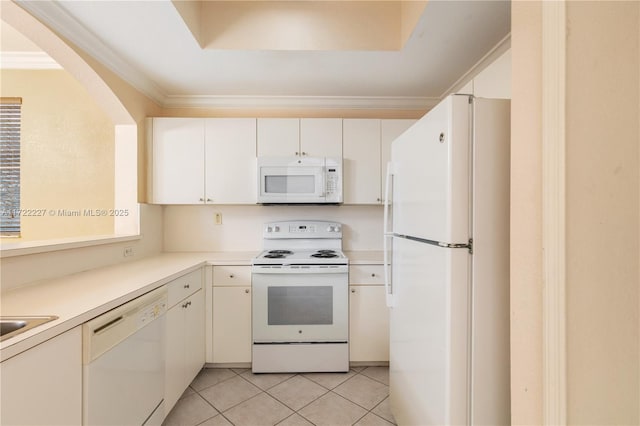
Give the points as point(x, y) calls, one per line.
point(388, 285)
point(387, 236)
point(387, 199)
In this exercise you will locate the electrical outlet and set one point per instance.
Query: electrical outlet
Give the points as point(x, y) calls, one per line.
point(218, 218)
point(128, 251)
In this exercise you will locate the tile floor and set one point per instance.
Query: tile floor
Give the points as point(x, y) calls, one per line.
point(221, 396)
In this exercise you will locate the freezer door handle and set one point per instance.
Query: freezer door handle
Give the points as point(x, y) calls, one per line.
point(387, 199)
point(388, 285)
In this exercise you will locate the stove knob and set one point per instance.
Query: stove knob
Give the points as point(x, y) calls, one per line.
point(276, 229)
point(330, 229)
point(269, 229)
point(337, 228)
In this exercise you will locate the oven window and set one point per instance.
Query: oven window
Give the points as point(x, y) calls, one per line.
point(300, 305)
point(289, 184)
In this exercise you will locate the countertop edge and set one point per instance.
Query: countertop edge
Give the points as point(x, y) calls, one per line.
point(170, 265)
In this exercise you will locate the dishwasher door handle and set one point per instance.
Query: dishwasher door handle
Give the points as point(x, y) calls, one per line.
point(103, 327)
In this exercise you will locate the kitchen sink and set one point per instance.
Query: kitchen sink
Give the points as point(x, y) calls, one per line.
point(12, 326)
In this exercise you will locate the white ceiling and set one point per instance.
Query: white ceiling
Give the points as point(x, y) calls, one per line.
point(148, 44)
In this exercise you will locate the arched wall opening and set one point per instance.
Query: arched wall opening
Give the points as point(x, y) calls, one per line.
point(110, 150)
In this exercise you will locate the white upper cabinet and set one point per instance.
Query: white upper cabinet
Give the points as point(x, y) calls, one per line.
point(291, 137)
point(203, 161)
point(278, 137)
point(390, 130)
point(177, 161)
point(366, 151)
point(321, 137)
point(230, 152)
point(361, 161)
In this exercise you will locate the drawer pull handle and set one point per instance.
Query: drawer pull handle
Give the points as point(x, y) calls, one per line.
point(186, 286)
point(186, 305)
point(353, 290)
point(247, 291)
point(373, 275)
point(231, 275)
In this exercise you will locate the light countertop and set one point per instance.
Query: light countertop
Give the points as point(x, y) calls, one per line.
point(82, 296)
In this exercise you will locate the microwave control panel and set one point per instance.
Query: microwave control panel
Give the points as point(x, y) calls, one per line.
point(334, 183)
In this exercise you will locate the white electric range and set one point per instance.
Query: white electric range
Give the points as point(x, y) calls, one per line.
point(300, 299)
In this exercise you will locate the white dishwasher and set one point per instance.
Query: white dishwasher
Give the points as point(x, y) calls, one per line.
point(124, 363)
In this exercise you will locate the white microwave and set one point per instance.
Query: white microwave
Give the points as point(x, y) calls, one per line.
point(294, 180)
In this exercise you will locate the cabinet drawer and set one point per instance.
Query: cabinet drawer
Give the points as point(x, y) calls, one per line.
point(231, 275)
point(366, 274)
point(184, 286)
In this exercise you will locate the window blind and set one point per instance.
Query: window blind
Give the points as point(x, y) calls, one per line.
point(10, 116)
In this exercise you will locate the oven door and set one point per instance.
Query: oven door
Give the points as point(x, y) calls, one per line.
point(300, 304)
point(291, 181)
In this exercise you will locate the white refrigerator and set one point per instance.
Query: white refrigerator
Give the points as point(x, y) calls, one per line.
point(447, 265)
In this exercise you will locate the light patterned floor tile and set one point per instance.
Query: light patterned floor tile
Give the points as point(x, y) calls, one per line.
point(259, 410)
point(189, 411)
point(211, 376)
point(295, 420)
point(266, 381)
point(380, 374)
point(332, 410)
point(297, 392)
point(363, 391)
point(242, 394)
point(329, 380)
point(231, 392)
point(373, 420)
point(218, 420)
point(384, 410)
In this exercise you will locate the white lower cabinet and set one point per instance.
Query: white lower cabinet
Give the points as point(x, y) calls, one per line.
point(43, 385)
point(231, 314)
point(368, 315)
point(185, 350)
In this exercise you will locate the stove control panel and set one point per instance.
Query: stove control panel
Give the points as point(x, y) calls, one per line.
point(303, 229)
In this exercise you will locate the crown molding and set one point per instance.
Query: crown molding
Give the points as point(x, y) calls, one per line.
point(301, 102)
point(54, 15)
point(27, 61)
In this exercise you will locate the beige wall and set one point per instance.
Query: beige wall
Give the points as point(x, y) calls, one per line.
point(67, 155)
point(602, 213)
point(526, 214)
point(603, 138)
point(124, 105)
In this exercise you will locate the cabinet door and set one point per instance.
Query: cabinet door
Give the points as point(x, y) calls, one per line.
point(178, 161)
point(321, 137)
point(390, 130)
point(230, 152)
point(43, 385)
point(194, 336)
point(278, 137)
point(368, 324)
point(361, 161)
point(174, 382)
point(231, 324)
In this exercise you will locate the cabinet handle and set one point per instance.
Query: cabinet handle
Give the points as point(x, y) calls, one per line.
point(201, 199)
point(209, 200)
point(186, 286)
point(304, 153)
point(186, 305)
point(353, 290)
point(379, 200)
point(373, 275)
point(231, 275)
point(297, 153)
point(246, 291)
